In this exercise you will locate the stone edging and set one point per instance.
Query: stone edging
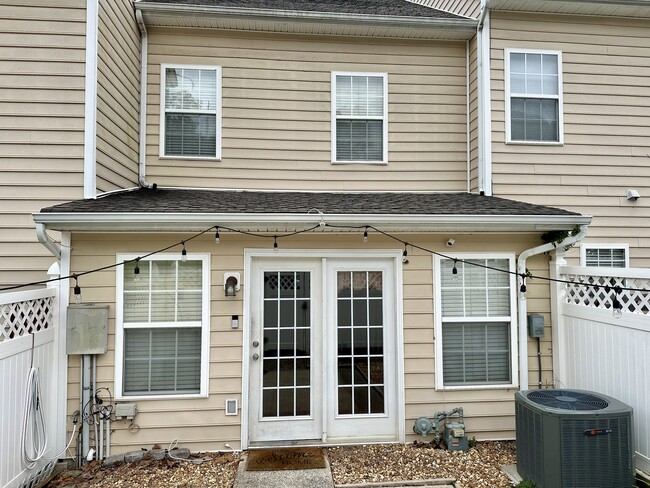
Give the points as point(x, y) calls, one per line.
point(404, 483)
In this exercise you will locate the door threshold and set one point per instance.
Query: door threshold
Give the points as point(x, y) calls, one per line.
point(338, 442)
point(285, 444)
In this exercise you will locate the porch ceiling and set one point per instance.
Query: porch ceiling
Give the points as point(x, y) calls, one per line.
point(364, 18)
point(190, 210)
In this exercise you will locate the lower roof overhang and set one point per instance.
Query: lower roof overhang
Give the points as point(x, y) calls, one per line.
point(265, 222)
point(614, 8)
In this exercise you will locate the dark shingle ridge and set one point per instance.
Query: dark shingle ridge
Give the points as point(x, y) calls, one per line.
point(398, 8)
point(162, 201)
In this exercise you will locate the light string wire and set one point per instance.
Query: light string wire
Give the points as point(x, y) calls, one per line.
point(526, 275)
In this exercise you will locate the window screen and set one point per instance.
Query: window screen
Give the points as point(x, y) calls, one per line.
point(360, 118)
point(162, 321)
point(476, 322)
point(190, 112)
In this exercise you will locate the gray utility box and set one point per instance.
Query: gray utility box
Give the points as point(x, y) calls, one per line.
point(535, 325)
point(87, 330)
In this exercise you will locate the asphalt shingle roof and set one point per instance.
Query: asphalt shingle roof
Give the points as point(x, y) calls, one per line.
point(260, 202)
point(401, 8)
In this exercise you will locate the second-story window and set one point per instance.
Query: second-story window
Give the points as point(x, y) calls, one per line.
point(190, 112)
point(359, 117)
point(533, 96)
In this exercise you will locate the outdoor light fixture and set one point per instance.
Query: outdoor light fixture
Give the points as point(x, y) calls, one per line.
point(231, 284)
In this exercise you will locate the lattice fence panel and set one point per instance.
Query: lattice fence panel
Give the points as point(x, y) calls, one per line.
point(599, 291)
point(25, 317)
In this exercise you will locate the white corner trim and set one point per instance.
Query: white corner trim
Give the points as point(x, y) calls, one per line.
point(484, 107)
point(90, 101)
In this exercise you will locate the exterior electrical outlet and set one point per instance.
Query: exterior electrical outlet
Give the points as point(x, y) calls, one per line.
point(125, 410)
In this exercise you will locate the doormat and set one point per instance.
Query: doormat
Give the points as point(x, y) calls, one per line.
point(280, 459)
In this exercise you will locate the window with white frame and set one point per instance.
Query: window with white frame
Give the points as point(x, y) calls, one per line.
point(162, 326)
point(190, 115)
point(475, 322)
point(359, 117)
point(533, 96)
point(605, 255)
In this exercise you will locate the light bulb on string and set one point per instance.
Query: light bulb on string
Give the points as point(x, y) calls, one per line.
point(275, 244)
point(405, 254)
point(216, 236)
point(454, 270)
point(77, 290)
point(365, 235)
point(184, 253)
point(617, 308)
point(136, 270)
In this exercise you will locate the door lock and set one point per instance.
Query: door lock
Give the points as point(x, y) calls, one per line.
point(256, 357)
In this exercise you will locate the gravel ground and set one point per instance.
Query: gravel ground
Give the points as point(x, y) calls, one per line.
point(477, 468)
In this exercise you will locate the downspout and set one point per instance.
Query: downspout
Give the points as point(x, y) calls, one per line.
point(47, 241)
point(144, 48)
point(521, 301)
point(467, 119)
point(90, 100)
point(484, 106)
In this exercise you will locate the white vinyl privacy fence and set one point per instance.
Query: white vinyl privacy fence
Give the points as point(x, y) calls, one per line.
point(28, 338)
point(595, 351)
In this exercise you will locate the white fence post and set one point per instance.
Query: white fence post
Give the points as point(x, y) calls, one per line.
point(557, 319)
point(59, 426)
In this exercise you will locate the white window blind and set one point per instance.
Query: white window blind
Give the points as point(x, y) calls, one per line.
point(534, 84)
point(162, 321)
point(360, 117)
point(476, 321)
point(191, 105)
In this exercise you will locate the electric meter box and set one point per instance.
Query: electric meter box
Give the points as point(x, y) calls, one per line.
point(87, 329)
point(535, 325)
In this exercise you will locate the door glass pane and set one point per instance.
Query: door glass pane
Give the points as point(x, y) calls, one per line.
point(360, 343)
point(287, 380)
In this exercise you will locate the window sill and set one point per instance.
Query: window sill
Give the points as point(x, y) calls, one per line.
point(536, 143)
point(477, 387)
point(191, 158)
point(142, 398)
point(371, 163)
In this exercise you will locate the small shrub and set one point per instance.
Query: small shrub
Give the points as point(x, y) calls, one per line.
point(526, 484)
point(472, 442)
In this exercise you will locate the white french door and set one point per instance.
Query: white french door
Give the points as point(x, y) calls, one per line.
point(322, 350)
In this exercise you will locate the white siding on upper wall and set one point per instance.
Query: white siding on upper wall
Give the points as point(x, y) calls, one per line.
point(118, 95)
point(606, 72)
point(41, 124)
point(276, 111)
point(467, 8)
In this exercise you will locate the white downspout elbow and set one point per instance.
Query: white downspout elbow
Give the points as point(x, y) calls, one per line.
point(521, 301)
point(47, 241)
point(144, 48)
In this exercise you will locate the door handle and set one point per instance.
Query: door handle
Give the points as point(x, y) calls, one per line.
point(256, 357)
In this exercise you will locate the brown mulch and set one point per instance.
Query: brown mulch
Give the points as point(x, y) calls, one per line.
point(477, 468)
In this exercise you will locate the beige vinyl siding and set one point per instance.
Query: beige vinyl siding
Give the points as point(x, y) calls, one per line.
point(42, 55)
point(606, 71)
point(201, 424)
point(118, 95)
point(276, 112)
point(467, 8)
point(473, 115)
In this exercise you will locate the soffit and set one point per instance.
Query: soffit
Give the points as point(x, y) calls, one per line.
point(607, 8)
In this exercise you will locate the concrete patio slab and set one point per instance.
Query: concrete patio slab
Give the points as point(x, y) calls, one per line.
point(306, 478)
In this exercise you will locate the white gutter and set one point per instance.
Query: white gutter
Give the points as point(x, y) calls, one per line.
point(156, 222)
point(47, 241)
point(144, 50)
point(521, 270)
point(484, 103)
point(90, 101)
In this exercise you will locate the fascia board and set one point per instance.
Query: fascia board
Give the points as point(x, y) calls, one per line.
point(150, 222)
point(625, 8)
point(466, 25)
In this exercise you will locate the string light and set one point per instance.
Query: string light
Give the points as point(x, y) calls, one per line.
point(275, 244)
point(405, 254)
point(454, 270)
point(365, 235)
point(216, 236)
point(183, 252)
point(136, 270)
point(617, 308)
point(77, 289)
point(522, 288)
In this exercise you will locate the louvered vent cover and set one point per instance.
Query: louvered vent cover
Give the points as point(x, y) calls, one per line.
point(567, 400)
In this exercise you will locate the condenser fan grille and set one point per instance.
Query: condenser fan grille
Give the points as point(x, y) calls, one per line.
point(567, 400)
